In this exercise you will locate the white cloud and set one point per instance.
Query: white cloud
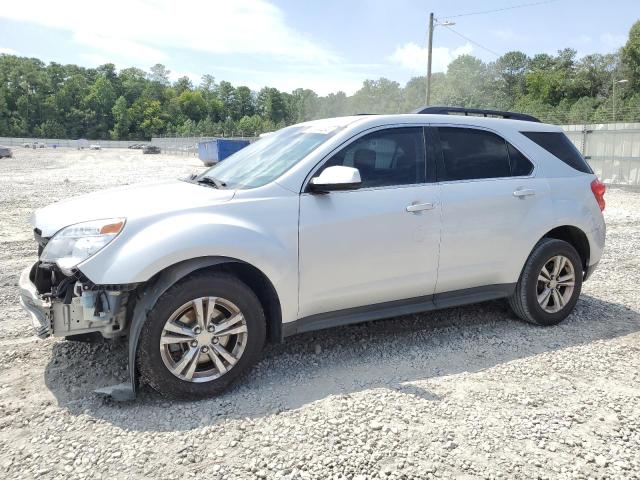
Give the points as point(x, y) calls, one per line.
point(8, 51)
point(135, 29)
point(119, 47)
point(414, 57)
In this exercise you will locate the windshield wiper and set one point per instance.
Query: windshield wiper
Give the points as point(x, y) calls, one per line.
point(214, 182)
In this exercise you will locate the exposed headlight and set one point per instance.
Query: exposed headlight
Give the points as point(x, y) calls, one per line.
point(76, 243)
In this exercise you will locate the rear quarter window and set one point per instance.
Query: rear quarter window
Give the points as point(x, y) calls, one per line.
point(561, 147)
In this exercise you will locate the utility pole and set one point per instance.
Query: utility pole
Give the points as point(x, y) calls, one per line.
point(432, 24)
point(429, 53)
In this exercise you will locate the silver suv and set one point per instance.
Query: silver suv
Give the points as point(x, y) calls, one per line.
point(324, 223)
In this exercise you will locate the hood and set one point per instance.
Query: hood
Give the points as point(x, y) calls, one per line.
point(127, 202)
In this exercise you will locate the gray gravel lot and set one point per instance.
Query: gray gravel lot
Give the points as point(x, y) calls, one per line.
point(467, 392)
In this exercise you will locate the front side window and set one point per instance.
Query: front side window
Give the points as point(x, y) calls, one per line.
point(395, 156)
point(268, 158)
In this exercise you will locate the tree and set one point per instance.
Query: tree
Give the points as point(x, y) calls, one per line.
point(582, 111)
point(121, 119)
point(304, 104)
point(510, 71)
point(153, 121)
point(630, 56)
point(100, 100)
point(183, 84)
point(160, 74)
point(226, 94)
point(249, 126)
point(270, 104)
point(594, 75)
point(133, 81)
point(468, 83)
point(244, 103)
point(192, 105)
point(51, 129)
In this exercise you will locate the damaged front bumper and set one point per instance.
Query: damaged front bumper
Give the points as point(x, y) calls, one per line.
point(89, 309)
point(38, 307)
point(85, 310)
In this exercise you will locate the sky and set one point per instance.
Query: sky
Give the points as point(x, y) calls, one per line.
point(325, 45)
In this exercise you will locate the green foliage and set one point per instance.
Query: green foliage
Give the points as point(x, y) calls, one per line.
point(630, 56)
point(121, 118)
point(70, 101)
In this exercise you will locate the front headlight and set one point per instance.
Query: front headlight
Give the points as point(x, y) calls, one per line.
point(76, 243)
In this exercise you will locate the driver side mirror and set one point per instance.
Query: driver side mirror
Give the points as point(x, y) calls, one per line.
point(336, 178)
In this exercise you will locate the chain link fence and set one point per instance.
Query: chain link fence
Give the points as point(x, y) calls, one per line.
point(586, 114)
point(188, 145)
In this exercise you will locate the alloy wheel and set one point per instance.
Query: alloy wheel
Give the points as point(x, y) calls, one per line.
point(203, 339)
point(556, 282)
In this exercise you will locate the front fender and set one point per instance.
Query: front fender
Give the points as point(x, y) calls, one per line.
point(148, 247)
point(144, 303)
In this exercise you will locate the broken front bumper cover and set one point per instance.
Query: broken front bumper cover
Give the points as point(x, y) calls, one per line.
point(87, 311)
point(38, 307)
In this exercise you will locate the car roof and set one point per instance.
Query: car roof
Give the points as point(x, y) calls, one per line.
point(373, 120)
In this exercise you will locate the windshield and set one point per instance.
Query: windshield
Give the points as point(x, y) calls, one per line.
point(266, 159)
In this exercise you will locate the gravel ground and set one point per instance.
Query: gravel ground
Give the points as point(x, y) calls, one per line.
point(467, 392)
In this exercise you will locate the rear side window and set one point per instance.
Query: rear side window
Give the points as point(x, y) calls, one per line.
point(471, 154)
point(560, 146)
point(520, 165)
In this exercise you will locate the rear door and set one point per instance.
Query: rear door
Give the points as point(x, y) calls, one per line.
point(491, 200)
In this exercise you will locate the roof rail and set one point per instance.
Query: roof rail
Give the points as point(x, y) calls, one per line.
point(475, 111)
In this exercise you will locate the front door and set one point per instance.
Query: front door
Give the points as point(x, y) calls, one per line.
point(377, 243)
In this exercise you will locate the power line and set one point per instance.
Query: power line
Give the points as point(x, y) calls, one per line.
point(472, 41)
point(482, 12)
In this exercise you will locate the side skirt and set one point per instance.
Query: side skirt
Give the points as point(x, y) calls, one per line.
point(396, 308)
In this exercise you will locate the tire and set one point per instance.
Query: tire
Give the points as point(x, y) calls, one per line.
point(525, 299)
point(154, 361)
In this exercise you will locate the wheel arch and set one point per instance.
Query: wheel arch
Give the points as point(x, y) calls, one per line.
point(148, 294)
point(574, 236)
point(251, 275)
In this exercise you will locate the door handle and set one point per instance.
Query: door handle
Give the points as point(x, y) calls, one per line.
point(524, 192)
point(419, 207)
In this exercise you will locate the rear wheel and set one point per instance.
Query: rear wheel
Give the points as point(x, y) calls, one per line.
point(201, 335)
point(550, 283)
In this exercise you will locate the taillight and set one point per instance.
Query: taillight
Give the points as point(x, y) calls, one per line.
point(598, 188)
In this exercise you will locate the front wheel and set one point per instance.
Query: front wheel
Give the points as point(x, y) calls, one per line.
point(550, 283)
point(202, 334)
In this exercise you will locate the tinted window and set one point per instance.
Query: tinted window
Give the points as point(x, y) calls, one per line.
point(520, 165)
point(559, 145)
point(470, 154)
point(388, 157)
